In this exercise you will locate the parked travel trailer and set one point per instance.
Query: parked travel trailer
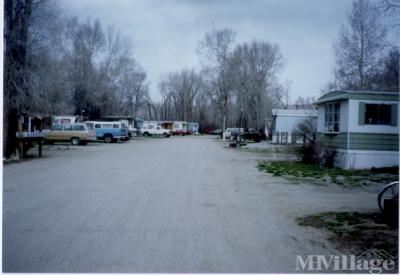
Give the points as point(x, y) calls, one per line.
point(193, 128)
point(362, 126)
point(60, 120)
point(179, 128)
point(285, 121)
point(167, 125)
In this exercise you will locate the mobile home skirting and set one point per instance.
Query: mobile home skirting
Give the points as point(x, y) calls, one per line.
point(361, 141)
point(366, 159)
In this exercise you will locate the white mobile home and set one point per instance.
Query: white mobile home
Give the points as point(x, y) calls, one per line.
point(285, 121)
point(362, 126)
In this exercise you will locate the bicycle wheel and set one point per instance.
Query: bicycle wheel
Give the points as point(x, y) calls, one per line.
point(390, 191)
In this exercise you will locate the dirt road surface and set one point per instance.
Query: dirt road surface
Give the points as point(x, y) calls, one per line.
point(183, 204)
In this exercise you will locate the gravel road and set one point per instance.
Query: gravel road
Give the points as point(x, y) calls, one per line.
point(183, 204)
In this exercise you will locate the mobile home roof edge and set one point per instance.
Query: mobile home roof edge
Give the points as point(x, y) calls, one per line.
point(345, 95)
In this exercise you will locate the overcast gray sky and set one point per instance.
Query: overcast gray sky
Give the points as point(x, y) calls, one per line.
point(165, 33)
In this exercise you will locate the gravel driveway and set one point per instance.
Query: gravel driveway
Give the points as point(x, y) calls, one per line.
point(183, 204)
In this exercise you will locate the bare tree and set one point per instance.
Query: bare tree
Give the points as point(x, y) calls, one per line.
point(304, 102)
point(17, 21)
point(179, 91)
point(391, 8)
point(386, 76)
point(359, 45)
point(134, 89)
point(255, 66)
point(85, 42)
point(215, 49)
point(307, 129)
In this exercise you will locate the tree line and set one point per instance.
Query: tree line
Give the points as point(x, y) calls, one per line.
point(54, 64)
point(236, 84)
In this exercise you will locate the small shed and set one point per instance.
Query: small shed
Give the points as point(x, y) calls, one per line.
point(284, 124)
point(29, 133)
point(362, 126)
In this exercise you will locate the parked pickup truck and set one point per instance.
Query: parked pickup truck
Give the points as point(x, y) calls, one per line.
point(254, 135)
point(109, 131)
point(154, 130)
point(245, 134)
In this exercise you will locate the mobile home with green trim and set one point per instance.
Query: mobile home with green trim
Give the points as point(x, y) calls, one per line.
point(362, 126)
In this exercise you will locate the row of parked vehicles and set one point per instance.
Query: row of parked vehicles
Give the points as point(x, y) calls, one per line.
point(82, 133)
point(244, 133)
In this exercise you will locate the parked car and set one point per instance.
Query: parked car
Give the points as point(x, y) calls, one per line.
point(150, 130)
point(207, 131)
point(216, 132)
point(230, 131)
point(76, 133)
point(109, 131)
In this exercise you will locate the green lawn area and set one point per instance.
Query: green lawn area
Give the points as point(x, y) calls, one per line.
point(335, 175)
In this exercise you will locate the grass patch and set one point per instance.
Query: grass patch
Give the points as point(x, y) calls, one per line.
point(334, 175)
point(355, 231)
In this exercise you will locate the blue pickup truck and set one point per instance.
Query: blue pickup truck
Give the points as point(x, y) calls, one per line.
point(109, 131)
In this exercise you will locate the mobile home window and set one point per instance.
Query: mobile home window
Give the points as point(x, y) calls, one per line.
point(332, 117)
point(377, 114)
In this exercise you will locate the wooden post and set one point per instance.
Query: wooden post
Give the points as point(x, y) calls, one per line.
point(40, 147)
point(20, 138)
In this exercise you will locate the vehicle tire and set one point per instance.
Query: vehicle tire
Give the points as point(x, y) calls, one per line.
point(166, 135)
point(146, 134)
point(108, 139)
point(75, 141)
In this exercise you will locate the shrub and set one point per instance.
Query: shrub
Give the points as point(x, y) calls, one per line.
point(318, 153)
